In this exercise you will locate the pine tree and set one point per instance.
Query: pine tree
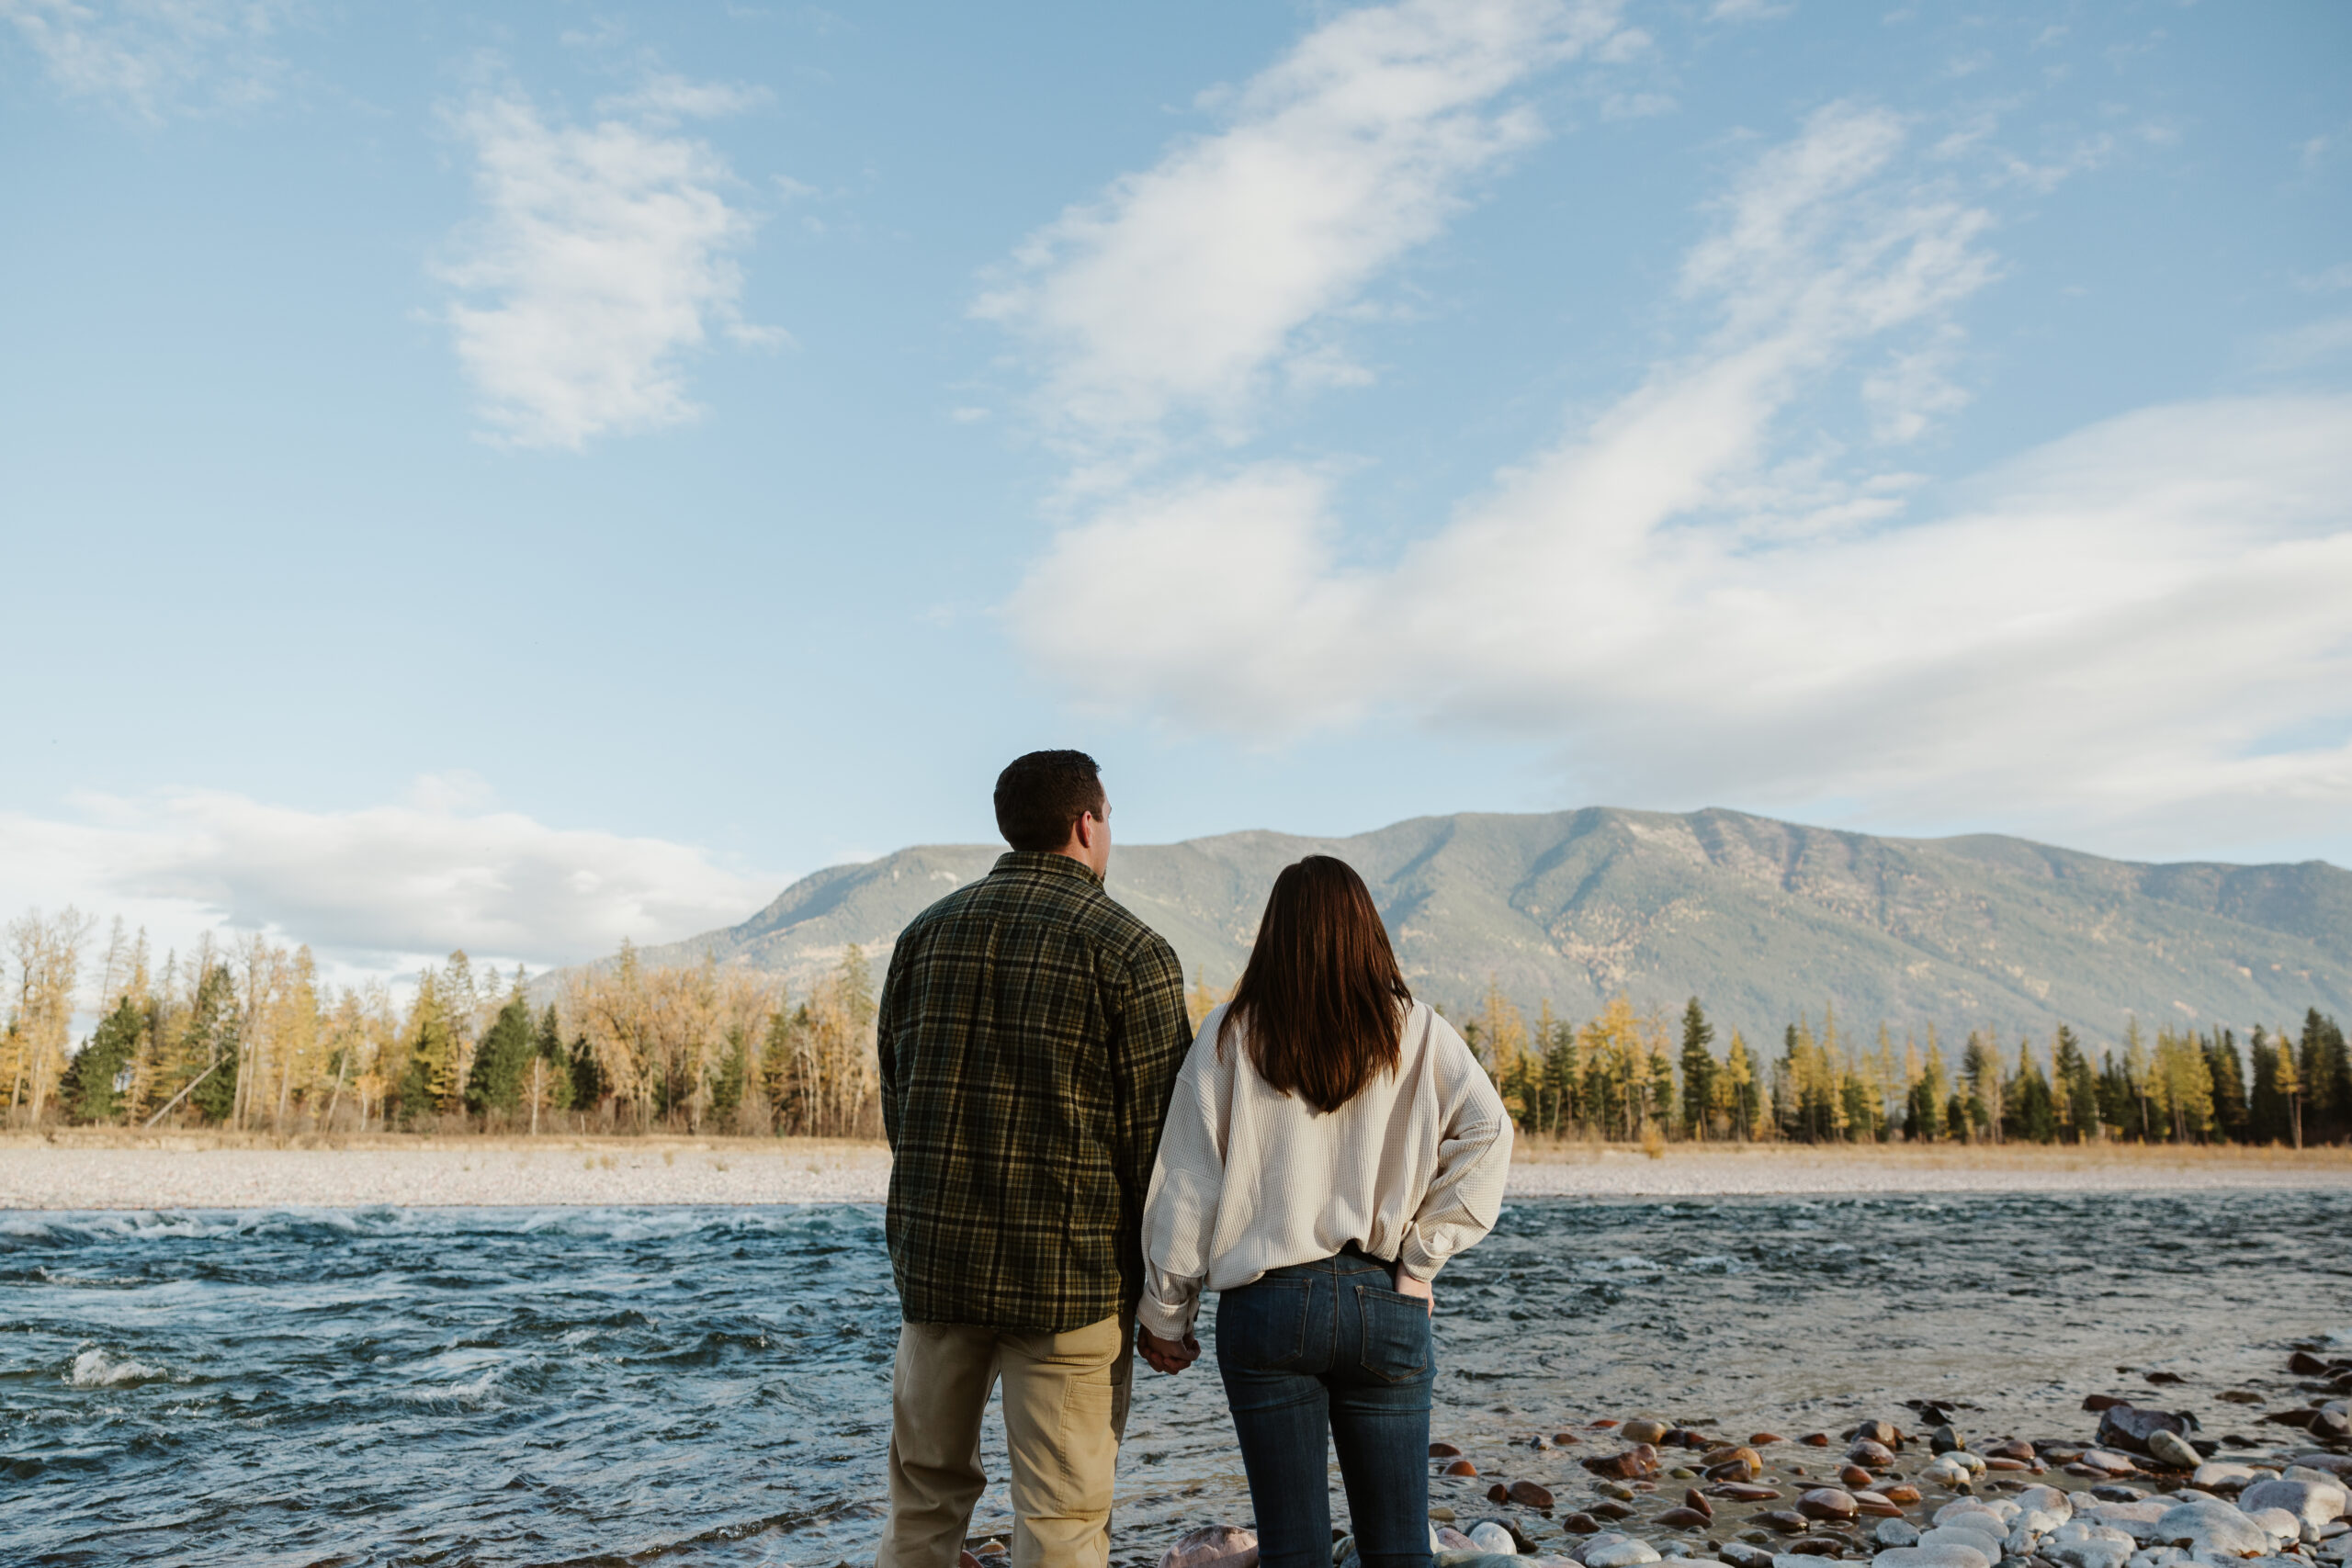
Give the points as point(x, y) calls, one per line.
point(1698, 1069)
point(1750, 1113)
point(2032, 1113)
point(1979, 1069)
point(213, 1044)
point(549, 1047)
point(2324, 1068)
point(91, 1081)
point(2222, 1066)
point(1924, 1104)
point(734, 1068)
point(2265, 1112)
point(496, 1080)
point(2075, 1087)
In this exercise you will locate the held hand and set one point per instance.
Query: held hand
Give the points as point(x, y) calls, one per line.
point(1170, 1355)
point(1409, 1286)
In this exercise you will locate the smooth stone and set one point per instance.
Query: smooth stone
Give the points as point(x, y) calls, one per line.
point(1826, 1503)
point(1527, 1494)
point(2158, 1557)
point(1869, 1454)
point(1213, 1546)
point(1796, 1560)
point(1581, 1524)
point(1950, 1512)
point(2114, 1492)
point(1883, 1432)
point(2213, 1476)
point(1489, 1537)
point(2213, 1527)
point(1451, 1539)
point(2078, 1544)
point(2172, 1449)
point(1892, 1533)
point(2108, 1462)
point(1946, 1438)
point(1925, 1556)
point(1988, 1547)
point(2312, 1502)
point(2138, 1519)
point(1684, 1520)
point(2276, 1523)
point(1740, 1555)
point(1643, 1431)
point(1621, 1555)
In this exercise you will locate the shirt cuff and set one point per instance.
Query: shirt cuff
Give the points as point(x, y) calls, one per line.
point(1169, 1320)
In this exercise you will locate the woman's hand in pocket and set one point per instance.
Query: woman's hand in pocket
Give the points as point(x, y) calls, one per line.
point(1409, 1286)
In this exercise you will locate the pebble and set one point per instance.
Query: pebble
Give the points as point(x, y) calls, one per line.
point(1871, 1452)
point(1644, 1430)
point(1444, 1451)
point(1745, 1491)
point(1488, 1536)
point(1740, 1555)
point(1881, 1432)
point(1621, 1555)
point(2214, 1476)
point(2079, 1544)
point(1684, 1520)
point(1461, 1467)
point(2212, 1527)
point(1696, 1500)
point(1855, 1475)
point(1895, 1532)
point(1451, 1539)
point(2313, 1503)
point(1981, 1542)
point(1878, 1505)
point(1212, 1544)
point(1826, 1503)
point(2106, 1462)
point(1945, 1439)
point(1925, 1556)
point(1527, 1494)
point(2172, 1449)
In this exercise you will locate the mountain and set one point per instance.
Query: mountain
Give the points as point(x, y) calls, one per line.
point(1762, 920)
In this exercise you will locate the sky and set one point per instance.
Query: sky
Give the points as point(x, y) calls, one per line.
point(521, 477)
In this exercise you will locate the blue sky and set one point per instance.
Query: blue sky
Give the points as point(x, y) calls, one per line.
point(521, 477)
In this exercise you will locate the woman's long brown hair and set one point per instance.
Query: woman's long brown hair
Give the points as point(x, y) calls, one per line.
point(1322, 997)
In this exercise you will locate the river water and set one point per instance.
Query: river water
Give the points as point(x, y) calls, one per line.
point(710, 1386)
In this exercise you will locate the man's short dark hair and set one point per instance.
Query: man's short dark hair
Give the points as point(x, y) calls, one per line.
point(1040, 797)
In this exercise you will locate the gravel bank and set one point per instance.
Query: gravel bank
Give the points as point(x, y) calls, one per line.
point(561, 1171)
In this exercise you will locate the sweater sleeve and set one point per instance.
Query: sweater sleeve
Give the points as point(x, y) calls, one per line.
point(1466, 1196)
point(1187, 1183)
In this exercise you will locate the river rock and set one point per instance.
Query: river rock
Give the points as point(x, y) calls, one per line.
point(1620, 1554)
point(2106, 1462)
point(1826, 1503)
point(1732, 1464)
point(1870, 1454)
point(1955, 1512)
point(1878, 1505)
point(1793, 1559)
point(1884, 1432)
point(1895, 1532)
point(1613, 1509)
point(2313, 1503)
point(1444, 1451)
point(1635, 1463)
point(2080, 1544)
point(2276, 1523)
point(1988, 1547)
point(2129, 1426)
point(1451, 1539)
point(2338, 1465)
point(1489, 1537)
point(1460, 1467)
point(2172, 1449)
point(1684, 1520)
point(1527, 1494)
point(2211, 1527)
point(1902, 1493)
point(1581, 1524)
point(2042, 1508)
point(2159, 1557)
point(1945, 1439)
point(2212, 1476)
point(2137, 1520)
point(1784, 1521)
point(1644, 1430)
point(1945, 1555)
point(1213, 1546)
point(1739, 1554)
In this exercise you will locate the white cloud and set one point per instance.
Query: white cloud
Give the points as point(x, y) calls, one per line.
point(375, 890)
point(1184, 286)
point(2136, 630)
point(603, 256)
point(152, 58)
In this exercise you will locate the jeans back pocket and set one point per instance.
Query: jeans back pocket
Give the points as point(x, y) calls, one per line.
point(1398, 1345)
point(1262, 1327)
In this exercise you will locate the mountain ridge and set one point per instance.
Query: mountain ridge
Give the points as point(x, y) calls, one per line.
point(1763, 919)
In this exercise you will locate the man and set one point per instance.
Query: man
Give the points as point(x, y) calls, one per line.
point(1029, 1034)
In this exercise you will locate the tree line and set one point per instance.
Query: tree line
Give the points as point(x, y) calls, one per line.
point(243, 1035)
point(1624, 1076)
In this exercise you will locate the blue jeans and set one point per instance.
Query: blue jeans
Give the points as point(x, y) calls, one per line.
point(1331, 1345)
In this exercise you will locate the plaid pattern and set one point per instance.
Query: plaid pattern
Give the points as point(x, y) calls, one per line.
point(1030, 1034)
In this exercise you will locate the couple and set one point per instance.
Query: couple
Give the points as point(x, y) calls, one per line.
point(1072, 1166)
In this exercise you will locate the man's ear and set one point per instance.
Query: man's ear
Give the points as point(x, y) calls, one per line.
point(1085, 828)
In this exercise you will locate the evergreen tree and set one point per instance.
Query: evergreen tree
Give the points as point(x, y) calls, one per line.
point(90, 1092)
point(588, 1085)
point(214, 1044)
point(1744, 1095)
point(1924, 1104)
point(2030, 1113)
point(2072, 1070)
point(2221, 1053)
point(549, 1047)
point(2324, 1068)
point(2267, 1120)
point(734, 1068)
point(429, 1071)
point(502, 1064)
point(1698, 1069)
point(1980, 1071)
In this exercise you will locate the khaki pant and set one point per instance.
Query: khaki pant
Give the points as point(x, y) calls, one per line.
point(1065, 1411)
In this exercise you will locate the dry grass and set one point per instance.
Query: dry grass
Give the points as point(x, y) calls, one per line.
point(2334, 1157)
point(196, 1141)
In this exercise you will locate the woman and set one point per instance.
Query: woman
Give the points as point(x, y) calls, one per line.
point(1331, 1143)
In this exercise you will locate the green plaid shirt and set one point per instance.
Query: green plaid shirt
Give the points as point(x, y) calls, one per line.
point(1030, 1033)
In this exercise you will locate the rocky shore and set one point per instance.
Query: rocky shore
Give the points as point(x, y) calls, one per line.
point(2144, 1489)
point(97, 1170)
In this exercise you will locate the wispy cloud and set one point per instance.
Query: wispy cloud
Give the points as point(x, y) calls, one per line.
point(603, 256)
point(375, 889)
point(1188, 288)
point(153, 58)
point(1693, 598)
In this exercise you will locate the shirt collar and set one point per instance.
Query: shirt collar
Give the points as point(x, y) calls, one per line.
point(1051, 861)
